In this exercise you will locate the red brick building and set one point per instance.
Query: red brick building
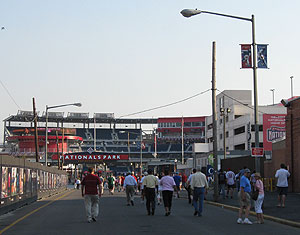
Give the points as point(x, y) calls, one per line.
point(288, 150)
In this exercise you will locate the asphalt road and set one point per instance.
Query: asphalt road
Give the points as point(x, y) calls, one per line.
point(66, 215)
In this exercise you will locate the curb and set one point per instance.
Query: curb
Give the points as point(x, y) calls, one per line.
point(268, 217)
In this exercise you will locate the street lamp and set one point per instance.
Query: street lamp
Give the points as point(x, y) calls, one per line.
point(224, 114)
point(192, 12)
point(272, 94)
point(53, 107)
point(291, 77)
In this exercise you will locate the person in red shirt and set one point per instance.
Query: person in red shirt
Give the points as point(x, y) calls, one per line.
point(91, 191)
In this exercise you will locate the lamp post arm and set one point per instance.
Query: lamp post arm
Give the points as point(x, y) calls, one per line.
point(62, 105)
point(225, 15)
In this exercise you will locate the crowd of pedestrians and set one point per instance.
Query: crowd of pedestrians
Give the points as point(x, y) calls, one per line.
point(163, 187)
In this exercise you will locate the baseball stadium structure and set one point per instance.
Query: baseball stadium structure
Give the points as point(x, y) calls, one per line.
point(102, 135)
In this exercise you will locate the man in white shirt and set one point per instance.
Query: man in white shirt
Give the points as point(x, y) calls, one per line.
point(129, 185)
point(199, 185)
point(282, 176)
point(230, 176)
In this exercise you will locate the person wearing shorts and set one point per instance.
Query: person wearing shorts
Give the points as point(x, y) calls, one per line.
point(282, 176)
point(244, 198)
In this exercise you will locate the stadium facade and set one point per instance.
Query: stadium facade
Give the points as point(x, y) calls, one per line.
point(103, 134)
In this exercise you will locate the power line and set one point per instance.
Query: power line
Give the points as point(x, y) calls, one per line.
point(9, 94)
point(166, 105)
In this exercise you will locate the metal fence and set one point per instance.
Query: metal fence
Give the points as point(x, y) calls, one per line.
point(22, 182)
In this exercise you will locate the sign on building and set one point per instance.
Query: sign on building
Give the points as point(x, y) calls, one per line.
point(273, 129)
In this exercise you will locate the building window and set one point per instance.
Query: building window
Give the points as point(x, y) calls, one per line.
point(237, 116)
point(239, 130)
point(227, 118)
point(187, 124)
point(221, 136)
point(239, 147)
point(260, 127)
point(261, 145)
point(227, 134)
point(210, 126)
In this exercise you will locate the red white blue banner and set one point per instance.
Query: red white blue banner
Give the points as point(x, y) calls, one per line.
point(262, 56)
point(246, 56)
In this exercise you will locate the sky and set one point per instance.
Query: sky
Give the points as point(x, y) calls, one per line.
point(123, 57)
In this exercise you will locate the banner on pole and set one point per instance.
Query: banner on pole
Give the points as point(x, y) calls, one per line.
point(246, 56)
point(262, 56)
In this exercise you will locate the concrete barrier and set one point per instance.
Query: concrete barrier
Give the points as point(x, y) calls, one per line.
point(24, 182)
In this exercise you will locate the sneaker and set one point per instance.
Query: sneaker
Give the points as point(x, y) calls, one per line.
point(247, 221)
point(89, 221)
point(94, 219)
point(239, 221)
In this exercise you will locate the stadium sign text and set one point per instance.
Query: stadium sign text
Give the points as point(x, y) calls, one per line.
point(94, 157)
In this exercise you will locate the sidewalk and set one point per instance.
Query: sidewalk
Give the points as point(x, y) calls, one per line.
point(290, 212)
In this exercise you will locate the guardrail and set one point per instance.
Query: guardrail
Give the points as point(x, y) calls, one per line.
point(22, 182)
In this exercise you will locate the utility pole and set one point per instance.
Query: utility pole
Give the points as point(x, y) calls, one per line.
point(36, 137)
point(214, 111)
point(62, 148)
point(292, 93)
point(57, 147)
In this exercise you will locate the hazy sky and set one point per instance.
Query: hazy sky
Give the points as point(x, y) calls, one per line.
point(126, 56)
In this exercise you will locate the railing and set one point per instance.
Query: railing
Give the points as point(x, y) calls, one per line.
point(22, 181)
point(269, 184)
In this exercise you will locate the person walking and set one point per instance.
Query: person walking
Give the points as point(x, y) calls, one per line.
point(111, 184)
point(244, 197)
point(259, 186)
point(177, 180)
point(188, 186)
point(282, 176)
point(130, 185)
point(150, 182)
point(230, 176)
point(168, 185)
point(78, 183)
point(142, 187)
point(199, 185)
point(91, 191)
point(183, 179)
point(222, 182)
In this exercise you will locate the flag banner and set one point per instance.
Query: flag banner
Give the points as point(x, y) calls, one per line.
point(262, 62)
point(246, 56)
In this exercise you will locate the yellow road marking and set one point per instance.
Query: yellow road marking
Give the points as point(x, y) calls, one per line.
point(32, 212)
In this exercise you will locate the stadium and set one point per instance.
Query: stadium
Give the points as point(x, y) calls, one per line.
point(121, 144)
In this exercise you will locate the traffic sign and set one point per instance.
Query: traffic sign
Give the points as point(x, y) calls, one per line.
point(257, 152)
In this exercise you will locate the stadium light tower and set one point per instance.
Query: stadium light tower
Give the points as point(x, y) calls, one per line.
point(46, 136)
point(141, 152)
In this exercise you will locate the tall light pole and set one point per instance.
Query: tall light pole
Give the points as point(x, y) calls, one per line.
point(46, 136)
point(192, 12)
point(292, 93)
point(224, 114)
point(273, 94)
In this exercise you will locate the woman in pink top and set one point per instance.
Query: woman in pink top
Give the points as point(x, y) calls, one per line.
point(168, 184)
point(259, 186)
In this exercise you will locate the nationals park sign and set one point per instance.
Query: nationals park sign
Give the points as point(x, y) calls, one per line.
point(93, 157)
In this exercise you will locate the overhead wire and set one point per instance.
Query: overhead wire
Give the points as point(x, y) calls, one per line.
point(166, 105)
point(9, 94)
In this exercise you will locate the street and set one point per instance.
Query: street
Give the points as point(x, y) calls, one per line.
point(64, 214)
